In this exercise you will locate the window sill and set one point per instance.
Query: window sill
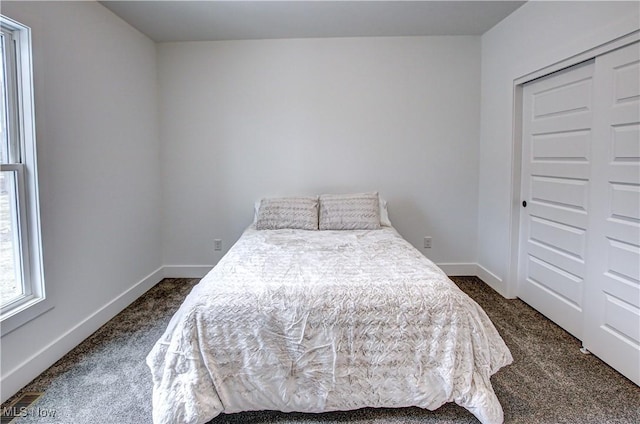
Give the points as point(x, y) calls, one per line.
point(23, 314)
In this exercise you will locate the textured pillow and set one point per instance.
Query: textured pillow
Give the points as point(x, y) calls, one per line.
point(384, 213)
point(349, 211)
point(288, 212)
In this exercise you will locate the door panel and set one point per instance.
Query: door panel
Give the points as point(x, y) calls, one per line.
point(612, 296)
point(559, 191)
point(567, 239)
point(569, 145)
point(625, 142)
point(556, 160)
point(555, 212)
point(566, 98)
point(624, 259)
point(558, 280)
point(562, 260)
point(625, 81)
point(624, 202)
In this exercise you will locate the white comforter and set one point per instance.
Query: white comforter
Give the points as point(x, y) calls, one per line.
point(313, 321)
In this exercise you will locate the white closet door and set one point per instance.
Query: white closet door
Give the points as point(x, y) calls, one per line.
point(557, 119)
point(612, 302)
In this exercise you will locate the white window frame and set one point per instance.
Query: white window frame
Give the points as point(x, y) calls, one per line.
point(34, 301)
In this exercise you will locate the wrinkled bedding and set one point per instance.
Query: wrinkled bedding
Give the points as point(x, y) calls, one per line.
point(313, 321)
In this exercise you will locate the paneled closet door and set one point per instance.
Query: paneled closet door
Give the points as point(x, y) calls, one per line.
point(612, 290)
point(556, 156)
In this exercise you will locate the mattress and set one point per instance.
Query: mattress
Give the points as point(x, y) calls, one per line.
point(314, 321)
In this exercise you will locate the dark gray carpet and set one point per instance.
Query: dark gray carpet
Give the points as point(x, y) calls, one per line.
point(105, 379)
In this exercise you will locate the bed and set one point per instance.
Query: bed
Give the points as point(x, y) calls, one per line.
point(293, 319)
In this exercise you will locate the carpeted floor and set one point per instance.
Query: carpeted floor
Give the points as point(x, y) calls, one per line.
point(105, 379)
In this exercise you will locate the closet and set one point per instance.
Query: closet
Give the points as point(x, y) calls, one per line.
point(579, 253)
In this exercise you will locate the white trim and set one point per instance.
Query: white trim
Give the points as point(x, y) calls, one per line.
point(199, 271)
point(186, 271)
point(511, 291)
point(33, 366)
point(476, 270)
point(493, 281)
point(35, 302)
point(460, 269)
point(617, 43)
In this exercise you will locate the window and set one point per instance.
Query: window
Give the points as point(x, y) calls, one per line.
point(21, 278)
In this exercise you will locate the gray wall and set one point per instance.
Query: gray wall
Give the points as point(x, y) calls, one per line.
point(99, 175)
point(245, 119)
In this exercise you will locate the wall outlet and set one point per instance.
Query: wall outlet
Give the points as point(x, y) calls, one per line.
point(217, 244)
point(427, 242)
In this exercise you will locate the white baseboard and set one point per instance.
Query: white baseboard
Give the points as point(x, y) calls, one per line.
point(459, 269)
point(186, 271)
point(491, 280)
point(33, 366)
point(199, 271)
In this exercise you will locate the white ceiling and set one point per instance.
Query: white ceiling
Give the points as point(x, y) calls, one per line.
point(241, 20)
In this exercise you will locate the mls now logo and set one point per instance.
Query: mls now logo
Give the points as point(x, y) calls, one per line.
point(23, 411)
point(23, 408)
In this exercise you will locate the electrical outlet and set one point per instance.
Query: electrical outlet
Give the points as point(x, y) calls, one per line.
point(427, 242)
point(217, 244)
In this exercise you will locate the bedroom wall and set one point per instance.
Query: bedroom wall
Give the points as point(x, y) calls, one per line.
point(535, 36)
point(99, 176)
point(245, 119)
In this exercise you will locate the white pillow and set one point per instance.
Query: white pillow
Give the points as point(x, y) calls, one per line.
point(288, 212)
point(384, 214)
point(359, 211)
